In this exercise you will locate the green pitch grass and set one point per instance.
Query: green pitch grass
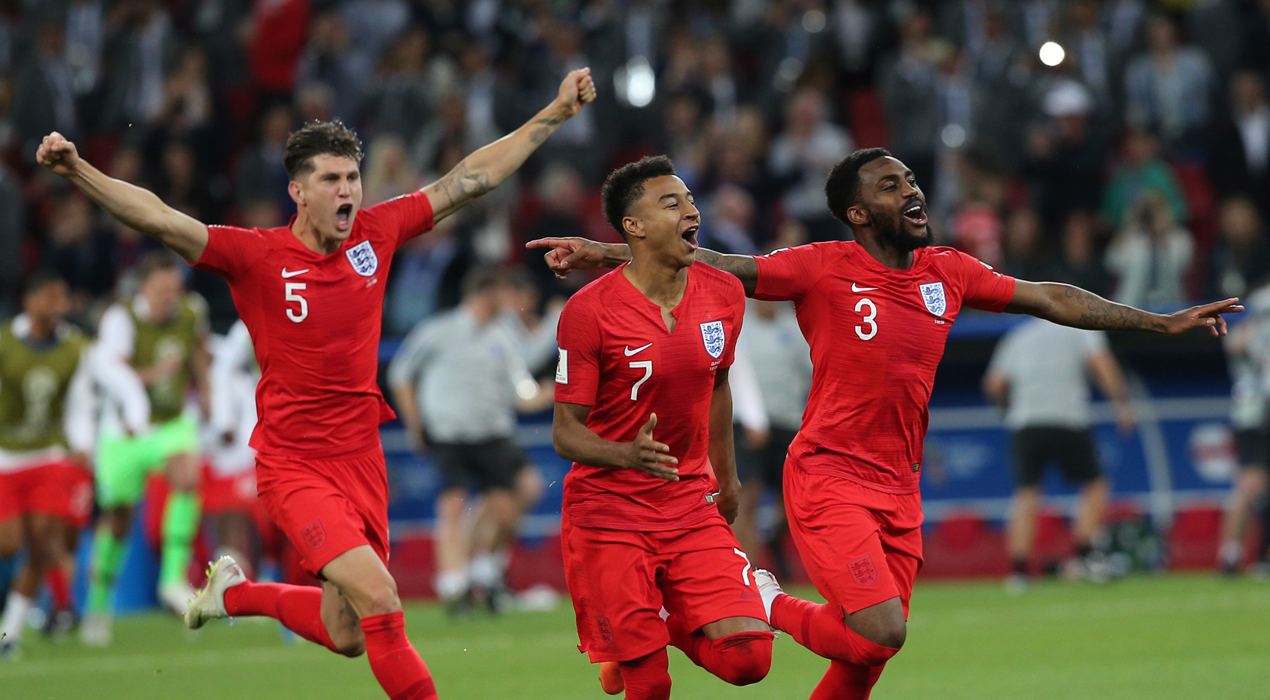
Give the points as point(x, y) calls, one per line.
point(1149, 638)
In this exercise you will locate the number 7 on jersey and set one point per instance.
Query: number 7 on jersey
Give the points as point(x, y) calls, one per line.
point(647, 366)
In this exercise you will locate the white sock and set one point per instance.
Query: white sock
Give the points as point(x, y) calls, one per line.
point(16, 607)
point(485, 571)
point(451, 584)
point(1230, 553)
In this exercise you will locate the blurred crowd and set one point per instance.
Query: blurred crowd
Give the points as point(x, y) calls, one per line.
point(1121, 145)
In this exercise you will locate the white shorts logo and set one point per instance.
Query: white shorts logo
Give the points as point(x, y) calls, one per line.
point(933, 298)
point(712, 335)
point(363, 259)
point(562, 367)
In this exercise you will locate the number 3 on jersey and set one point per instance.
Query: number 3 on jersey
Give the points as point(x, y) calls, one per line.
point(870, 319)
point(647, 366)
point(292, 289)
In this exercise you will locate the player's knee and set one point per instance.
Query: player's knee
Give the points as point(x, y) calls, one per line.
point(351, 646)
point(890, 639)
point(749, 662)
point(381, 599)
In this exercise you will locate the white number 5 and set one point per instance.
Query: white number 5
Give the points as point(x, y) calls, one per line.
point(868, 319)
point(292, 288)
point(647, 366)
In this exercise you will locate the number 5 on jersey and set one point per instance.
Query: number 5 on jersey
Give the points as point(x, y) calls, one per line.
point(292, 295)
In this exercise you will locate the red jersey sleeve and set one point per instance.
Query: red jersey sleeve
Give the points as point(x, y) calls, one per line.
point(578, 335)
point(404, 217)
point(789, 273)
point(983, 287)
point(231, 251)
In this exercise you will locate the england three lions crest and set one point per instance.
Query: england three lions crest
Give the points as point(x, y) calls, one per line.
point(933, 298)
point(363, 259)
point(712, 335)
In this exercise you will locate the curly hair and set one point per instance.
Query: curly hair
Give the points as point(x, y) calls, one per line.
point(626, 184)
point(842, 188)
point(319, 138)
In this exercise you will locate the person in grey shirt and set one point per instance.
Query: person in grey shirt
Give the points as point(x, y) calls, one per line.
point(459, 380)
point(774, 347)
point(1041, 373)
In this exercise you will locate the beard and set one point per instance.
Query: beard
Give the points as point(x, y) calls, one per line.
point(892, 232)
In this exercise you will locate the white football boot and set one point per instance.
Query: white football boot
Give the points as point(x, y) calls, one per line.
point(768, 589)
point(209, 603)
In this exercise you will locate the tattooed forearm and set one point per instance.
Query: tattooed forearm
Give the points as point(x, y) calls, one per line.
point(1072, 306)
point(743, 267)
point(460, 186)
point(542, 129)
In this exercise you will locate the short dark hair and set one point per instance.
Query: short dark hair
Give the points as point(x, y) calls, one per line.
point(156, 261)
point(842, 187)
point(39, 280)
point(316, 139)
point(482, 278)
point(626, 184)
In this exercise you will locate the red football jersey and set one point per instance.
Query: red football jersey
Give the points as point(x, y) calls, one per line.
point(315, 322)
point(617, 357)
point(876, 337)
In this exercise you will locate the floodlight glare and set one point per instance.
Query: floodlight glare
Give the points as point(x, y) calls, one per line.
point(1052, 54)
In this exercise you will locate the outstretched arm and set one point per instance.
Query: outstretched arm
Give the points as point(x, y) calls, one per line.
point(569, 254)
point(488, 167)
point(1072, 306)
point(133, 206)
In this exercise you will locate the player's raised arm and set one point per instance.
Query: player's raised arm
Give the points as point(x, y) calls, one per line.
point(568, 254)
point(488, 167)
point(133, 206)
point(576, 442)
point(1075, 307)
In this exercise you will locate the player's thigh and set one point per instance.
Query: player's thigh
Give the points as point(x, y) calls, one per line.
point(176, 450)
point(122, 465)
point(1077, 456)
point(612, 578)
point(11, 535)
point(362, 577)
point(1031, 448)
point(708, 578)
point(838, 539)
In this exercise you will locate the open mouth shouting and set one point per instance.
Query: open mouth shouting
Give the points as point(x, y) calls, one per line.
point(690, 237)
point(344, 217)
point(915, 214)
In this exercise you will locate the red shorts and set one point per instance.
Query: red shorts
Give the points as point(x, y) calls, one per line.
point(229, 494)
point(327, 506)
point(62, 489)
point(860, 546)
point(619, 581)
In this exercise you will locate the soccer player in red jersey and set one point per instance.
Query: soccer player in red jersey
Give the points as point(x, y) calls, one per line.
point(646, 349)
point(876, 312)
point(311, 293)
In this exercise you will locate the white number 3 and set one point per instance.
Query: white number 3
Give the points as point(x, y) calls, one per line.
point(868, 319)
point(292, 288)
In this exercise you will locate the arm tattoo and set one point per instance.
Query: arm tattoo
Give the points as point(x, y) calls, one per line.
point(543, 129)
point(461, 185)
point(743, 267)
point(1083, 309)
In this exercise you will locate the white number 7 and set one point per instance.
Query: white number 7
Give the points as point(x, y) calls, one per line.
point(745, 570)
point(647, 366)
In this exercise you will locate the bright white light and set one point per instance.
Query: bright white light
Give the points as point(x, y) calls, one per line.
point(1052, 54)
point(641, 83)
point(526, 389)
point(953, 135)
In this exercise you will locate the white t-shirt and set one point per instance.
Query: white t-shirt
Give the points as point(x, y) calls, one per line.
point(1047, 367)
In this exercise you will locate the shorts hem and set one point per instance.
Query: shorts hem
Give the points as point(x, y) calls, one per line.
point(597, 657)
point(856, 605)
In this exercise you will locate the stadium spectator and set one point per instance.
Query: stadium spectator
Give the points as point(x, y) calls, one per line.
point(1066, 154)
point(1025, 254)
point(1041, 373)
point(79, 250)
point(1141, 171)
point(802, 153)
point(1151, 256)
point(1168, 88)
point(139, 48)
point(1241, 257)
point(328, 60)
point(561, 193)
point(908, 84)
point(43, 94)
point(1079, 263)
point(388, 171)
point(1240, 157)
point(408, 85)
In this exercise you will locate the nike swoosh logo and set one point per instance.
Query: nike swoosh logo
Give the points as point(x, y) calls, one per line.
point(855, 288)
point(630, 352)
point(288, 275)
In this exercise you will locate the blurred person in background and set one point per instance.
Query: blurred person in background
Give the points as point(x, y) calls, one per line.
point(1240, 150)
point(908, 85)
point(79, 251)
point(1041, 374)
point(1248, 358)
point(774, 347)
point(1151, 256)
point(43, 93)
point(802, 153)
point(1240, 259)
point(459, 379)
point(1168, 88)
point(975, 228)
point(1024, 240)
point(1066, 155)
point(150, 354)
point(1080, 264)
point(1141, 170)
point(46, 433)
point(388, 171)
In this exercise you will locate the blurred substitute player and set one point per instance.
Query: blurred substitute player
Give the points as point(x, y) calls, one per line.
point(1248, 356)
point(229, 492)
point(46, 432)
point(150, 352)
point(312, 295)
point(1040, 372)
point(459, 379)
point(643, 410)
point(876, 313)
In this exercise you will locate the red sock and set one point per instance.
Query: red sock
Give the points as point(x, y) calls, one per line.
point(740, 659)
point(844, 681)
point(396, 664)
point(298, 608)
point(821, 629)
point(58, 590)
point(648, 677)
